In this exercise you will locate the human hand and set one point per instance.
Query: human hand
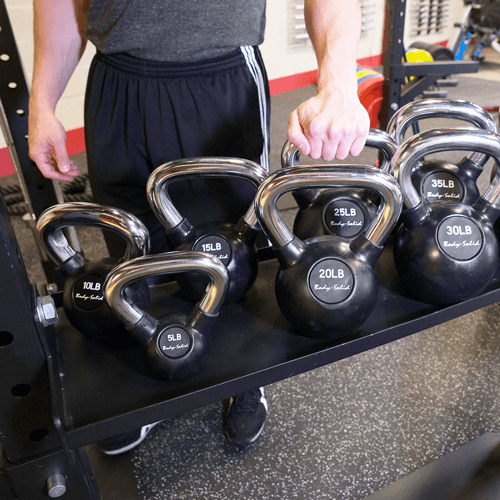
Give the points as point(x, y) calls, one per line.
point(47, 147)
point(329, 125)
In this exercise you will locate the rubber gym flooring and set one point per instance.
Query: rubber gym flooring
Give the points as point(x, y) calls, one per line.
point(346, 430)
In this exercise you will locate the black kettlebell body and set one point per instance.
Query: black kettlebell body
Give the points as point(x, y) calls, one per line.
point(448, 255)
point(446, 252)
point(344, 212)
point(335, 284)
point(176, 345)
point(83, 299)
point(233, 244)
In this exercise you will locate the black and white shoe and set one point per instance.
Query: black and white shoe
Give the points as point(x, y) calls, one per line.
point(245, 416)
point(124, 442)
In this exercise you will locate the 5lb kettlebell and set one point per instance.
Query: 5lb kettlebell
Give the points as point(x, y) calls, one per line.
point(440, 180)
point(326, 285)
point(446, 252)
point(342, 212)
point(176, 344)
point(83, 298)
point(233, 244)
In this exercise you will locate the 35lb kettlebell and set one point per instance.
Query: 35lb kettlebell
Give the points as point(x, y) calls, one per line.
point(326, 285)
point(83, 298)
point(440, 180)
point(342, 212)
point(446, 252)
point(176, 344)
point(233, 244)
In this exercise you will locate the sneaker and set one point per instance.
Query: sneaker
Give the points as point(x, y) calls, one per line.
point(124, 442)
point(245, 416)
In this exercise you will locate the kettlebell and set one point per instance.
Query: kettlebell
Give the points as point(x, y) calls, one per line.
point(233, 244)
point(440, 180)
point(446, 252)
point(326, 285)
point(83, 299)
point(176, 345)
point(343, 212)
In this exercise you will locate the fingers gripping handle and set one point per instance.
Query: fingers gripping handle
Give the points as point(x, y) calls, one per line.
point(436, 141)
point(163, 176)
point(328, 176)
point(54, 219)
point(290, 154)
point(167, 263)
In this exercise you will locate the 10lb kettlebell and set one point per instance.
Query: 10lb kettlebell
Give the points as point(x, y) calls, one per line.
point(326, 285)
point(440, 180)
point(176, 344)
point(83, 299)
point(343, 212)
point(446, 252)
point(233, 244)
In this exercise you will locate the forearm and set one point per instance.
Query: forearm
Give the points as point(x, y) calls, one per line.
point(334, 27)
point(59, 44)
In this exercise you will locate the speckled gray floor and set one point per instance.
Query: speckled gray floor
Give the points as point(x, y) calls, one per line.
point(342, 431)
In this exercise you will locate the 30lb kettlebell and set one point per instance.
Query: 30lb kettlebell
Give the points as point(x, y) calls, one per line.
point(446, 252)
point(233, 244)
point(342, 212)
point(83, 298)
point(176, 344)
point(440, 180)
point(326, 285)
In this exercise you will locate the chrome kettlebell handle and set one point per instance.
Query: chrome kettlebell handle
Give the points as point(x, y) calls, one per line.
point(158, 182)
point(378, 139)
point(444, 108)
point(439, 140)
point(328, 176)
point(167, 263)
point(51, 222)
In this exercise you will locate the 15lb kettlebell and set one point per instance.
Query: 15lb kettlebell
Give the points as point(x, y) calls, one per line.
point(446, 252)
point(343, 212)
point(326, 285)
point(440, 180)
point(83, 299)
point(176, 344)
point(233, 244)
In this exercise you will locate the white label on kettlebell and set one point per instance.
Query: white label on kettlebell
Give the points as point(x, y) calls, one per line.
point(344, 218)
point(88, 292)
point(216, 245)
point(460, 237)
point(442, 186)
point(174, 342)
point(331, 281)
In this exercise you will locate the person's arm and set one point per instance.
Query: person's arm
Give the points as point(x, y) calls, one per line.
point(333, 123)
point(59, 44)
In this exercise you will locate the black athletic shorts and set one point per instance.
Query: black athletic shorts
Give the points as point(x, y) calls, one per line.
point(140, 114)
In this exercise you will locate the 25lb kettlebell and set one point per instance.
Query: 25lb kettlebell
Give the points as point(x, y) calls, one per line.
point(83, 298)
point(446, 252)
point(440, 180)
point(342, 212)
point(326, 285)
point(233, 244)
point(176, 344)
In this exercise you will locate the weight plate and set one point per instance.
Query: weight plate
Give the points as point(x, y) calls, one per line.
point(460, 237)
point(331, 281)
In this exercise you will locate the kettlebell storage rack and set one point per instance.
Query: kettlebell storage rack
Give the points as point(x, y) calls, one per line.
point(62, 391)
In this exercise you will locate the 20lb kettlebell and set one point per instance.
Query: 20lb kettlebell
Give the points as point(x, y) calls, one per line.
point(440, 180)
point(342, 212)
point(233, 244)
point(176, 344)
point(326, 285)
point(83, 299)
point(446, 252)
